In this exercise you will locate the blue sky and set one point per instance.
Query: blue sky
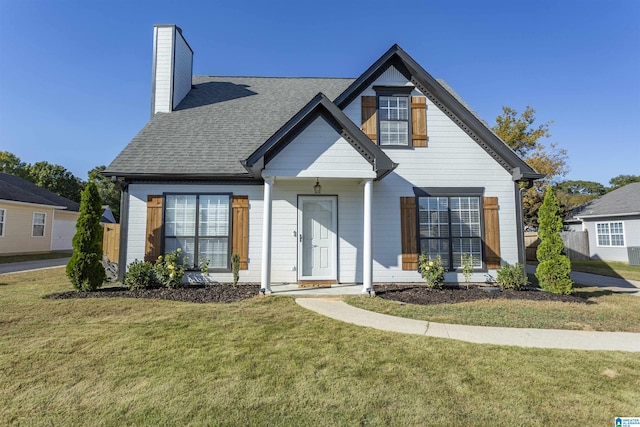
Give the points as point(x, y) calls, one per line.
point(75, 76)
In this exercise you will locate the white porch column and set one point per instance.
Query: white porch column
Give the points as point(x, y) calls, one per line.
point(367, 259)
point(265, 276)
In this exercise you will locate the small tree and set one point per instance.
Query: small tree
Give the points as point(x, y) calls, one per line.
point(84, 268)
point(554, 267)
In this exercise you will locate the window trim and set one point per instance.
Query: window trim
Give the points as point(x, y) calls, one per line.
point(394, 91)
point(450, 192)
point(610, 234)
point(44, 224)
point(226, 269)
point(3, 222)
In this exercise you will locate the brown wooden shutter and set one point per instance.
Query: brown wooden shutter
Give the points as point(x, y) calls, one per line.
point(491, 232)
point(369, 117)
point(419, 121)
point(408, 227)
point(153, 245)
point(240, 229)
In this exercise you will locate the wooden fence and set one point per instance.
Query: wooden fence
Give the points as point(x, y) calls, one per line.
point(111, 241)
point(576, 244)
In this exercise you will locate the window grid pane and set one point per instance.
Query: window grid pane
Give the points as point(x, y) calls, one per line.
point(610, 234)
point(210, 240)
point(394, 120)
point(38, 224)
point(450, 227)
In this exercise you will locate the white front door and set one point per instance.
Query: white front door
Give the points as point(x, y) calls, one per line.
point(317, 237)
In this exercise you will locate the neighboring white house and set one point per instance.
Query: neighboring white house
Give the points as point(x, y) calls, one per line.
point(317, 180)
point(34, 220)
point(612, 222)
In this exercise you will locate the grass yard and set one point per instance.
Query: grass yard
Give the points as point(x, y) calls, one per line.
point(608, 268)
point(610, 312)
point(267, 361)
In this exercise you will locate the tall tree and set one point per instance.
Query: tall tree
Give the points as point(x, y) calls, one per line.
point(572, 194)
point(553, 265)
point(11, 164)
point(108, 190)
point(622, 180)
point(524, 137)
point(57, 179)
point(84, 268)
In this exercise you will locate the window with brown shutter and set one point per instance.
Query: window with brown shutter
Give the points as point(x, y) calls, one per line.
point(153, 245)
point(419, 121)
point(386, 119)
point(369, 117)
point(408, 233)
point(240, 230)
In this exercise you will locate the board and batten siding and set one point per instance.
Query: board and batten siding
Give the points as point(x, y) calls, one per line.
point(452, 159)
point(319, 151)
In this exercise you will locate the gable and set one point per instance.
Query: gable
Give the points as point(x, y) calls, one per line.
point(319, 151)
point(395, 63)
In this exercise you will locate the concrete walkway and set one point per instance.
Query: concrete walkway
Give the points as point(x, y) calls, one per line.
point(16, 267)
point(613, 284)
point(521, 337)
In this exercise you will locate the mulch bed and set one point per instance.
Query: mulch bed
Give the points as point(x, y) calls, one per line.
point(410, 294)
point(451, 294)
point(188, 293)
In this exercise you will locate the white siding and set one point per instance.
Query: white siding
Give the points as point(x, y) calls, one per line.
point(163, 52)
point(136, 232)
point(452, 159)
point(172, 68)
point(182, 72)
point(319, 151)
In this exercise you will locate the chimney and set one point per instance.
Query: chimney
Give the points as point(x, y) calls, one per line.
point(172, 68)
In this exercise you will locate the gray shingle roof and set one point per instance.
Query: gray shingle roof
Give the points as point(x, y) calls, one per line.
point(17, 189)
point(218, 124)
point(624, 200)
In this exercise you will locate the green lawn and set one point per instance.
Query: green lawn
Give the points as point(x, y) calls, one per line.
point(267, 361)
point(608, 312)
point(608, 268)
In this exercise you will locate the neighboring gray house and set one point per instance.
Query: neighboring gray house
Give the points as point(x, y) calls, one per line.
point(316, 180)
point(612, 222)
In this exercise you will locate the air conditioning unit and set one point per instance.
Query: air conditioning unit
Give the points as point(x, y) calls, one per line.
point(634, 255)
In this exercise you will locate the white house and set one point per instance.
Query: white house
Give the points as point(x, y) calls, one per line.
point(317, 180)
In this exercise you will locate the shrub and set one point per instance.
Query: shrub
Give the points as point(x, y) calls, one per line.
point(204, 265)
point(432, 271)
point(467, 267)
point(511, 277)
point(85, 270)
point(554, 267)
point(235, 266)
point(139, 275)
point(169, 269)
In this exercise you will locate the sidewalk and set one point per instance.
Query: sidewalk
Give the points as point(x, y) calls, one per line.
point(521, 337)
point(16, 267)
point(614, 284)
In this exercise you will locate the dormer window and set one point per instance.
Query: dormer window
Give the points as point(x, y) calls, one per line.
point(394, 118)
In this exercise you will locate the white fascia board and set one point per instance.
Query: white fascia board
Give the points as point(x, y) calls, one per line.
point(320, 174)
point(35, 205)
point(582, 217)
